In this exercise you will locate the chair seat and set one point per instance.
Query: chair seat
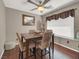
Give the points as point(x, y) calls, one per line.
point(31, 45)
point(39, 46)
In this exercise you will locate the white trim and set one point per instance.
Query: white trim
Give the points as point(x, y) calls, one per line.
point(67, 47)
point(1, 54)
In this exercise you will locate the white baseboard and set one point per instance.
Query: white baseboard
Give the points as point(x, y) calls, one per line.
point(1, 53)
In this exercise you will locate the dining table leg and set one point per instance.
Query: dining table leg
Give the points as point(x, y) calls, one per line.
point(27, 49)
point(52, 46)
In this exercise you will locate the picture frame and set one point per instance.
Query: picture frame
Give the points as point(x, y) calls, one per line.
point(28, 20)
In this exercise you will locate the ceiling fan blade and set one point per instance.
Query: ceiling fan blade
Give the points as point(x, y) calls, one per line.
point(32, 2)
point(40, 2)
point(45, 1)
point(33, 9)
point(48, 7)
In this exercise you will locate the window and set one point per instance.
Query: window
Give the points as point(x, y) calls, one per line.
point(62, 27)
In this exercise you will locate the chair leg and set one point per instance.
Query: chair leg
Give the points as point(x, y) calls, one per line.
point(45, 51)
point(30, 51)
point(41, 54)
point(34, 52)
point(21, 55)
point(49, 54)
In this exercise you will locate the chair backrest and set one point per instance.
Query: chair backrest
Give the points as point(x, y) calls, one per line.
point(46, 39)
point(20, 43)
point(51, 33)
point(31, 31)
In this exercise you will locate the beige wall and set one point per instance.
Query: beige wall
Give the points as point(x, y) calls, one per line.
point(76, 22)
point(2, 26)
point(14, 23)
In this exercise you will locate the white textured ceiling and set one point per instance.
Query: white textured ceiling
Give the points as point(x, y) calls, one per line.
point(23, 5)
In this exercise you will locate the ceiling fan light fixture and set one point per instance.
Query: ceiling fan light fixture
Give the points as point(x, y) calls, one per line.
point(40, 8)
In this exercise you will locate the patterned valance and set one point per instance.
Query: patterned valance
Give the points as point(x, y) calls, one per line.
point(62, 15)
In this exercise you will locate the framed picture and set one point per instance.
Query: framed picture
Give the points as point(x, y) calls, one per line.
point(28, 20)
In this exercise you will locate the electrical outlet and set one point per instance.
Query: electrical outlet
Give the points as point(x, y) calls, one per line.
point(78, 45)
point(67, 42)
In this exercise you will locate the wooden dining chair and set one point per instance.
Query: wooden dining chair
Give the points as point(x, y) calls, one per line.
point(44, 44)
point(22, 47)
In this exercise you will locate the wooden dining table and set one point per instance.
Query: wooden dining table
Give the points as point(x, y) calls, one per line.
point(33, 36)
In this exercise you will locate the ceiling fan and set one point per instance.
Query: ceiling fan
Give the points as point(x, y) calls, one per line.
point(40, 6)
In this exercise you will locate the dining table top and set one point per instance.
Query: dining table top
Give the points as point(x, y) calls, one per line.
point(31, 35)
